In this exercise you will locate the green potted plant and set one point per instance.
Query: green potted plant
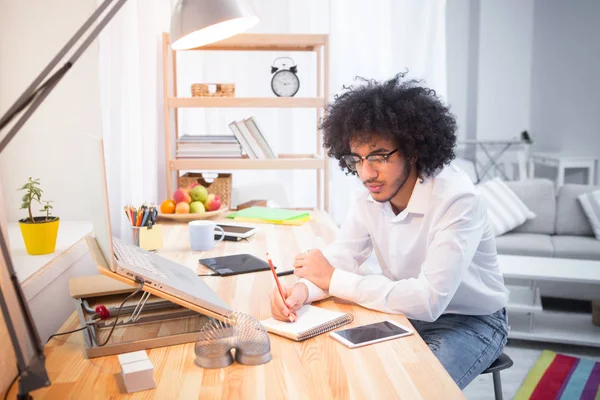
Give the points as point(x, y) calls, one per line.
point(39, 233)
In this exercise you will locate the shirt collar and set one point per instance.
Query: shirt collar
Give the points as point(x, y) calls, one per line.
point(418, 202)
point(419, 199)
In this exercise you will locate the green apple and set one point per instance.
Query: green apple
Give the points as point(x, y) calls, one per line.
point(196, 207)
point(199, 193)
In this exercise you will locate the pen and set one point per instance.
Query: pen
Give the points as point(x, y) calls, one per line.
point(279, 285)
point(284, 273)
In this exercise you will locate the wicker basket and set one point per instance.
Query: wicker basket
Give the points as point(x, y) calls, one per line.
point(220, 185)
point(213, 90)
point(596, 312)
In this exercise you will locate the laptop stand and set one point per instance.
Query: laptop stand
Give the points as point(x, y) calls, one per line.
point(156, 319)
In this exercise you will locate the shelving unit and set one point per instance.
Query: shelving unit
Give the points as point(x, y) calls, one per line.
point(250, 42)
point(527, 317)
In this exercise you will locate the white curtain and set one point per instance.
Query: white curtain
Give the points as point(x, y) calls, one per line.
point(131, 105)
point(378, 39)
point(372, 39)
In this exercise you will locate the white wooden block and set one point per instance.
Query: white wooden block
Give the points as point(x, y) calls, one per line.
point(137, 371)
point(134, 356)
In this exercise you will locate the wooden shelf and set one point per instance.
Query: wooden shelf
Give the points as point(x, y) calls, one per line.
point(283, 162)
point(274, 102)
point(318, 44)
point(268, 42)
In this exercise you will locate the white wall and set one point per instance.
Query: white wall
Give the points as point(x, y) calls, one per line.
point(565, 107)
point(31, 33)
point(489, 46)
point(504, 81)
point(457, 60)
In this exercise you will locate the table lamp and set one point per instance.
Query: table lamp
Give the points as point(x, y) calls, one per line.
point(194, 23)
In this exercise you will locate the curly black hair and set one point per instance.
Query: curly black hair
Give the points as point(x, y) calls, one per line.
point(405, 111)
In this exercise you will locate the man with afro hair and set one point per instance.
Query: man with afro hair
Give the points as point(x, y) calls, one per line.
point(421, 216)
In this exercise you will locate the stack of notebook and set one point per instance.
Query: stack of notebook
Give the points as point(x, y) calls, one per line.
point(271, 216)
point(212, 146)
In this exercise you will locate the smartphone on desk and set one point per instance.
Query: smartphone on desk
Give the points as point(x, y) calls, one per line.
point(235, 233)
point(372, 333)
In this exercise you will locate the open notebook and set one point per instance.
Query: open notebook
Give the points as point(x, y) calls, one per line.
point(312, 321)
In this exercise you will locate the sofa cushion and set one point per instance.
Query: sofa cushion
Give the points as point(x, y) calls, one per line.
point(570, 218)
point(581, 247)
point(505, 210)
point(590, 202)
point(525, 244)
point(539, 196)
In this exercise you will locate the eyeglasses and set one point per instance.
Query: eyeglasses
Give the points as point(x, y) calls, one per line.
point(376, 161)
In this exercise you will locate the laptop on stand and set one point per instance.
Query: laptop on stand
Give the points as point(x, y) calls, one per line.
point(130, 264)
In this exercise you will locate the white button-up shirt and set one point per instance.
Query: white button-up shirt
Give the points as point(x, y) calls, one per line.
point(437, 256)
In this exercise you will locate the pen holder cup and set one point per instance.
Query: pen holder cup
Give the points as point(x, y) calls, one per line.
point(144, 237)
point(134, 235)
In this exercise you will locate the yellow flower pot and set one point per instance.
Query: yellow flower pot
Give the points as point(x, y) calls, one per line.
point(40, 238)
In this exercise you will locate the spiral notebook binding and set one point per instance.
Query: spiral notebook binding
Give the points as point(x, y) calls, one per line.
point(336, 323)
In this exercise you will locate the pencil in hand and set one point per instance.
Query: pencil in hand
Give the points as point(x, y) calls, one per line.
point(292, 315)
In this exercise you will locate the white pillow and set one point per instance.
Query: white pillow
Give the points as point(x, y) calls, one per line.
point(591, 206)
point(505, 208)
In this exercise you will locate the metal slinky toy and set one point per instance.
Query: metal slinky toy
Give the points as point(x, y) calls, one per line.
point(240, 332)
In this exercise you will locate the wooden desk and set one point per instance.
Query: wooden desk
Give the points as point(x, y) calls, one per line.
point(318, 368)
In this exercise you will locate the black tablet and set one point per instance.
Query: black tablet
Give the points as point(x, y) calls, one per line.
point(235, 264)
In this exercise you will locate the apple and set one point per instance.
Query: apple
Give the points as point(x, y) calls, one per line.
point(181, 196)
point(182, 208)
point(199, 193)
point(196, 207)
point(189, 187)
point(212, 202)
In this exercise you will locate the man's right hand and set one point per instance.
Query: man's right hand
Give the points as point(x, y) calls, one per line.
point(295, 297)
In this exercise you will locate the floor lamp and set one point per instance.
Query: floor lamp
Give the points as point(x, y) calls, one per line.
point(194, 23)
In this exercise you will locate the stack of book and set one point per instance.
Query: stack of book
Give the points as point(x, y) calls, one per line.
point(208, 146)
point(251, 139)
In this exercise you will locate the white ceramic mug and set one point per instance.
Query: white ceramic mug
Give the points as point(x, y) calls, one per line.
point(202, 235)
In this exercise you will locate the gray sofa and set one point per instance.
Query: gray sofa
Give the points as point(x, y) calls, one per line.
point(560, 229)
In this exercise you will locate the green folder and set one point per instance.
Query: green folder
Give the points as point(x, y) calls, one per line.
point(273, 215)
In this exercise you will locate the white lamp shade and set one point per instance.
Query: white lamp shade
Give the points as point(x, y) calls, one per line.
point(196, 23)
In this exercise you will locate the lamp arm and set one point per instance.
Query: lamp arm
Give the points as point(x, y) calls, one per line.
point(34, 96)
point(33, 372)
point(59, 56)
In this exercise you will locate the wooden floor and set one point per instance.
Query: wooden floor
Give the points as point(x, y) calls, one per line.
point(524, 354)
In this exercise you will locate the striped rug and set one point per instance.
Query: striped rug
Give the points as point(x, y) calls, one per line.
point(560, 377)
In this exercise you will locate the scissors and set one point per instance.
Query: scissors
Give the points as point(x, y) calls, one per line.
point(152, 215)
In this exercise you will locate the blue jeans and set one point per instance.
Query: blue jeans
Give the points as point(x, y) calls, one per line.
point(465, 344)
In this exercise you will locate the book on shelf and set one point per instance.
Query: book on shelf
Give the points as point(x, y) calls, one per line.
point(208, 146)
point(242, 140)
point(256, 149)
point(251, 138)
point(258, 136)
point(207, 139)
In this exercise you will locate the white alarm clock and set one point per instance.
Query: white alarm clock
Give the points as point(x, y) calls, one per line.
point(285, 82)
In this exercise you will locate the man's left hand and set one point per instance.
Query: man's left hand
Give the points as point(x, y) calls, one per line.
point(313, 266)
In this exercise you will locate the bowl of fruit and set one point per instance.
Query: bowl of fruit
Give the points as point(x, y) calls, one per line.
point(191, 203)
